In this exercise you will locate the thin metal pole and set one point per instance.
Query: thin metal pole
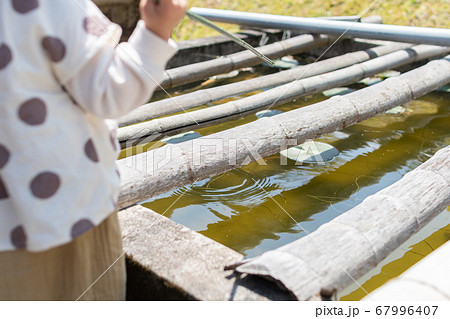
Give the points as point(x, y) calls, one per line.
point(231, 36)
point(434, 36)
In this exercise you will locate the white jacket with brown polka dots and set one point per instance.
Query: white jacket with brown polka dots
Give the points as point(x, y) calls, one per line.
point(63, 75)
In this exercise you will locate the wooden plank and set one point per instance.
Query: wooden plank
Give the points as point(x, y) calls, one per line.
point(350, 245)
point(171, 166)
point(428, 280)
point(288, 92)
point(202, 97)
point(169, 261)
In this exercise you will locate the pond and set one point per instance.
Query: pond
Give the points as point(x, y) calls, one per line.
point(257, 208)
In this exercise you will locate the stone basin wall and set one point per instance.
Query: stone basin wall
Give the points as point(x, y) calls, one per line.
point(123, 12)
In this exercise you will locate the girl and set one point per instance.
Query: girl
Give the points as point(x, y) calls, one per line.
point(62, 75)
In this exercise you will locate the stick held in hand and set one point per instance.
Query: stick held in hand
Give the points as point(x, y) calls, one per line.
point(231, 36)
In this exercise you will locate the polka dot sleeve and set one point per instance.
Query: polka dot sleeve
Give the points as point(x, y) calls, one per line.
point(106, 78)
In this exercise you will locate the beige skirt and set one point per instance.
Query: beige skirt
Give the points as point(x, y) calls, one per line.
point(88, 268)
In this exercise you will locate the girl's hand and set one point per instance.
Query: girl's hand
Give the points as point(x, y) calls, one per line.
point(162, 16)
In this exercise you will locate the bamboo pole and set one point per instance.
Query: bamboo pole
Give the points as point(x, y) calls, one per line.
point(429, 279)
point(171, 166)
point(190, 100)
point(277, 96)
point(356, 241)
point(203, 70)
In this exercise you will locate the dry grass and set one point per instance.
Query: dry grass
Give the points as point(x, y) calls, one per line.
point(424, 13)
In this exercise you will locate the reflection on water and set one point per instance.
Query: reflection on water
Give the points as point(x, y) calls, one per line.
point(261, 207)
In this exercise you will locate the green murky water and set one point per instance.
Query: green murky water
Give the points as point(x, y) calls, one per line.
point(262, 207)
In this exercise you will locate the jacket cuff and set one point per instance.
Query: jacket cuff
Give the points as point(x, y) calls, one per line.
point(151, 46)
